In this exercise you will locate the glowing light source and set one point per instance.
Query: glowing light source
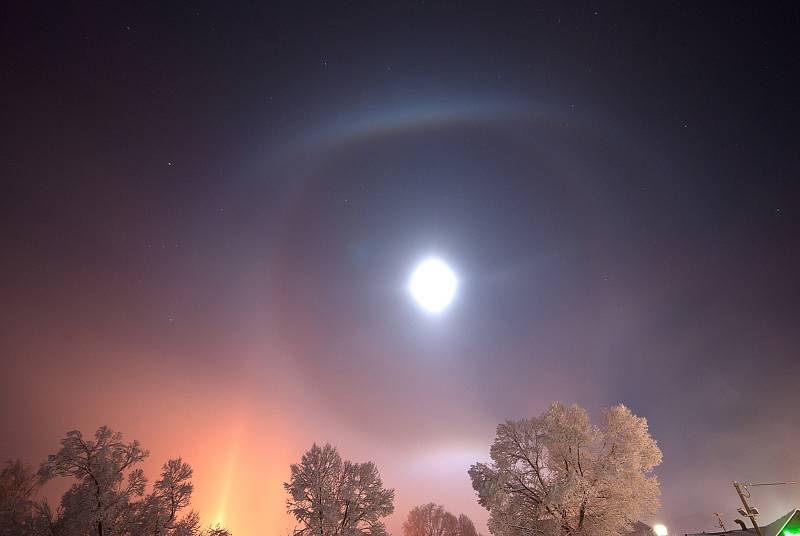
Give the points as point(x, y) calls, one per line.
point(660, 530)
point(433, 285)
point(790, 533)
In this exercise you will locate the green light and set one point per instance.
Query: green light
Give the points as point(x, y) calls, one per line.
point(790, 533)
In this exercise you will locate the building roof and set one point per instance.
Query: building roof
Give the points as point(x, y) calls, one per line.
point(776, 528)
point(640, 529)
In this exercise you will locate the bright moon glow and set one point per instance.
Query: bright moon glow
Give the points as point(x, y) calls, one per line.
point(433, 285)
point(660, 530)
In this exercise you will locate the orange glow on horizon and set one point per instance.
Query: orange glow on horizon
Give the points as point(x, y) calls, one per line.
point(239, 430)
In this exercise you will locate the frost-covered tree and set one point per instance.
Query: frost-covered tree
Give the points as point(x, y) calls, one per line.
point(20, 512)
point(466, 527)
point(217, 531)
point(107, 497)
point(433, 520)
point(560, 475)
point(430, 520)
point(157, 514)
point(331, 497)
point(100, 502)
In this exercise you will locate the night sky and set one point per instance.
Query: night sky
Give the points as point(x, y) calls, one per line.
point(210, 212)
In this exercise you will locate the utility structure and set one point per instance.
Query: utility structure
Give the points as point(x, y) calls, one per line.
point(744, 494)
point(720, 523)
point(749, 511)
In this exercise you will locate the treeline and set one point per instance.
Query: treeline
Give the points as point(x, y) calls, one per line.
point(329, 496)
point(552, 475)
point(107, 496)
point(557, 474)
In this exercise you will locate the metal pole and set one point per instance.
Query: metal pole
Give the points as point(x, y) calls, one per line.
point(747, 509)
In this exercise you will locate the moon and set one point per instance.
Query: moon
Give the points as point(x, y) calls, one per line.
point(433, 285)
